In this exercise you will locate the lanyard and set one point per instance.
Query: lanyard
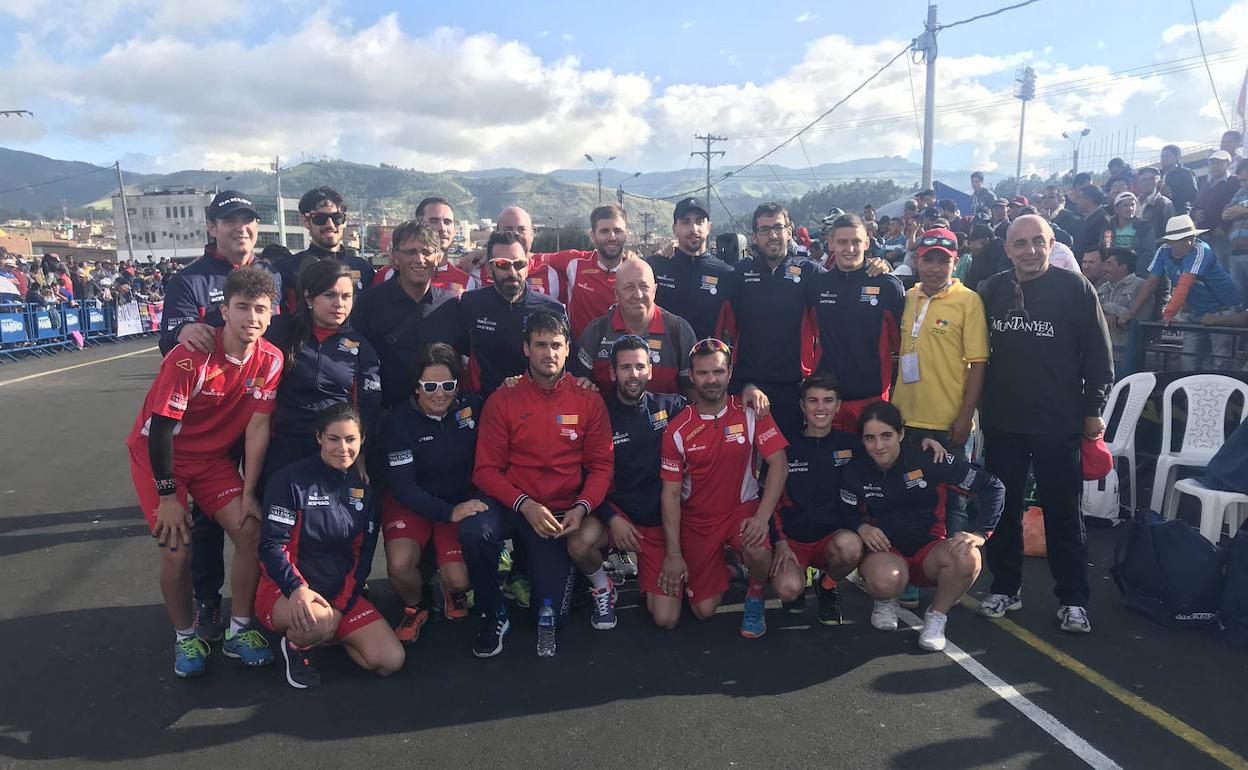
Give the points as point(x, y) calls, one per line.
point(921, 316)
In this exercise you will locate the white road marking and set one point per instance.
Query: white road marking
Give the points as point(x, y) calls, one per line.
point(77, 366)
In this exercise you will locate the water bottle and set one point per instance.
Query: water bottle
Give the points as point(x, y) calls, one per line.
point(546, 630)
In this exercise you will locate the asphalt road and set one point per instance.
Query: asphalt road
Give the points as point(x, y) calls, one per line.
point(86, 674)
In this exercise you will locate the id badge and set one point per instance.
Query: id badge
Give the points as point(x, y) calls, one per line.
point(910, 367)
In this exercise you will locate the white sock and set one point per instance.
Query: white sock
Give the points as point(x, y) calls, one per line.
point(238, 625)
point(599, 579)
point(184, 633)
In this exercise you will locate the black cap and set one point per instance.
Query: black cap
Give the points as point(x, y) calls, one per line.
point(930, 212)
point(229, 201)
point(685, 205)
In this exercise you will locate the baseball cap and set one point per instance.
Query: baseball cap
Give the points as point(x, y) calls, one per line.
point(685, 205)
point(1125, 195)
point(1221, 155)
point(980, 233)
point(1020, 200)
point(228, 202)
point(938, 239)
point(930, 212)
point(1001, 202)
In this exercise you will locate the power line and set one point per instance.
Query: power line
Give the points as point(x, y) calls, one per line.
point(55, 181)
point(738, 225)
point(708, 153)
point(1201, 39)
point(985, 15)
point(809, 165)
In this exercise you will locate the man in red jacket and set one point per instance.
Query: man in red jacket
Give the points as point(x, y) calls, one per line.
point(545, 459)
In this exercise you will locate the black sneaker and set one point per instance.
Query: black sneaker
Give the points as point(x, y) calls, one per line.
point(490, 636)
point(829, 604)
point(301, 672)
point(797, 606)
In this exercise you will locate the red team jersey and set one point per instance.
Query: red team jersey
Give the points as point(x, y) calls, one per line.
point(447, 276)
point(716, 457)
point(588, 287)
point(211, 395)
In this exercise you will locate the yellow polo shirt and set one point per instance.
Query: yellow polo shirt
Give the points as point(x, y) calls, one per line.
point(954, 335)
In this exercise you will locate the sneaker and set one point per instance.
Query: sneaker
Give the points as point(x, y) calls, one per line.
point(490, 636)
point(301, 672)
point(408, 629)
point(856, 579)
point(249, 646)
point(829, 604)
point(797, 606)
point(517, 588)
point(910, 597)
point(504, 560)
point(208, 625)
point(454, 605)
point(190, 657)
point(932, 637)
point(996, 605)
point(884, 615)
point(1074, 619)
point(754, 622)
point(603, 617)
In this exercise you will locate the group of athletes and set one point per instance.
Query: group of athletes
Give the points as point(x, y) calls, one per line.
point(716, 421)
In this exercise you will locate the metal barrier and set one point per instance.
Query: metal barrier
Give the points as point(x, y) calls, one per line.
point(1187, 348)
point(37, 330)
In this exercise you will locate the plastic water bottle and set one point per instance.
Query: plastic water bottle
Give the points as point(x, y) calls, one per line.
point(546, 630)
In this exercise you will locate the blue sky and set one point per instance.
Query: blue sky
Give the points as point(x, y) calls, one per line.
point(536, 85)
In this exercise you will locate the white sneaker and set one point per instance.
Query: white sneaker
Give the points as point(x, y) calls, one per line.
point(1074, 619)
point(932, 637)
point(996, 605)
point(884, 615)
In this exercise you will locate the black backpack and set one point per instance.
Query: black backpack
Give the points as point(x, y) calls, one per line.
point(1169, 572)
point(1233, 614)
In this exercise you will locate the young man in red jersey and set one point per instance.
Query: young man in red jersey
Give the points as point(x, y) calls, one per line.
point(199, 405)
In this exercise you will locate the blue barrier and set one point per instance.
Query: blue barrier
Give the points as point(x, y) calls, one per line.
point(12, 327)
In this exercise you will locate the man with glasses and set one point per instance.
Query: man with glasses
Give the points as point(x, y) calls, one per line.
point(1047, 380)
point(493, 317)
point(944, 352)
point(766, 316)
point(436, 212)
point(400, 317)
point(324, 215)
point(691, 281)
point(543, 278)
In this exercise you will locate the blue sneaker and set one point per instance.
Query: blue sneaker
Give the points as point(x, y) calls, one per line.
point(249, 646)
point(910, 597)
point(190, 657)
point(603, 617)
point(754, 622)
point(208, 625)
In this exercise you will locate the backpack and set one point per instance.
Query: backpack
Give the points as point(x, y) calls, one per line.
point(1167, 571)
point(1100, 498)
point(1233, 613)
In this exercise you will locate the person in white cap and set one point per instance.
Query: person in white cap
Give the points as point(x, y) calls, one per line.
point(1126, 229)
point(1203, 292)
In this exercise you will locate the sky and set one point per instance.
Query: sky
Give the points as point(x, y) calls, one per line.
point(164, 85)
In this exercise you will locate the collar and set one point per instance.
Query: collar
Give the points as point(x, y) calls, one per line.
point(561, 384)
point(618, 325)
point(918, 290)
point(686, 255)
point(322, 333)
point(721, 413)
point(321, 251)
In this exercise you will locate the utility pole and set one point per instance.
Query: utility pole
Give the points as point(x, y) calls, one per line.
point(1025, 91)
point(926, 43)
point(281, 215)
point(598, 168)
point(125, 210)
point(708, 154)
point(646, 219)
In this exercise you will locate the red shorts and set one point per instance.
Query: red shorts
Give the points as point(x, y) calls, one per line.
point(812, 554)
point(362, 613)
point(399, 523)
point(702, 544)
point(212, 483)
point(918, 577)
point(847, 416)
point(649, 558)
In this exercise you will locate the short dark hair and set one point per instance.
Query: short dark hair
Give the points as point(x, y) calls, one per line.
point(947, 205)
point(251, 282)
point(883, 411)
point(847, 220)
point(437, 354)
point(430, 201)
point(1081, 179)
point(1233, 134)
point(1115, 162)
point(823, 381)
point(626, 343)
point(980, 233)
point(545, 322)
point(414, 229)
point(1173, 149)
point(316, 197)
point(926, 191)
point(1125, 257)
point(1092, 193)
point(606, 211)
point(770, 209)
point(337, 413)
point(504, 239)
point(977, 175)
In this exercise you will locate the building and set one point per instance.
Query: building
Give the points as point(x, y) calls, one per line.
point(171, 224)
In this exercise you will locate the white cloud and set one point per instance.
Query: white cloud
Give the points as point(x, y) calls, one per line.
point(805, 17)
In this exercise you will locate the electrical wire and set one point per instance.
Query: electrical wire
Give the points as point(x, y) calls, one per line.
point(940, 27)
point(55, 181)
point(809, 165)
point(1201, 39)
point(738, 225)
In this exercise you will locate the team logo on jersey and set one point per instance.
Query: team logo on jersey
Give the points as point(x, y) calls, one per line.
point(400, 458)
point(656, 350)
point(710, 284)
point(768, 435)
point(915, 478)
point(849, 498)
point(214, 373)
point(216, 296)
point(315, 499)
point(734, 434)
point(349, 346)
point(185, 364)
point(694, 433)
point(841, 457)
point(620, 437)
point(282, 515)
point(870, 294)
point(669, 466)
point(794, 273)
point(658, 420)
point(941, 323)
point(177, 402)
point(565, 421)
point(357, 499)
point(464, 418)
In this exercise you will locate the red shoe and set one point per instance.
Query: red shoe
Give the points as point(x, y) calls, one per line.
point(454, 605)
point(408, 629)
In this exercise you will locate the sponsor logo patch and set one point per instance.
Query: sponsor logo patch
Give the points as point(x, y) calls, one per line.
point(567, 419)
point(914, 479)
point(282, 515)
point(400, 458)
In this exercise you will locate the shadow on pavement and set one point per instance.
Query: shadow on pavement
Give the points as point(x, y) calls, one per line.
point(89, 526)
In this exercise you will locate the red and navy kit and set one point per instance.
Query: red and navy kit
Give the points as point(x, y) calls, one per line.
point(858, 322)
point(907, 501)
point(195, 294)
point(588, 286)
point(447, 276)
point(637, 434)
point(692, 287)
point(494, 329)
point(288, 267)
point(670, 338)
point(400, 328)
point(542, 279)
point(319, 531)
point(333, 367)
point(766, 317)
point(810, 508)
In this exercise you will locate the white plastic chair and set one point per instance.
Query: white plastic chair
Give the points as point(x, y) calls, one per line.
point(1204, 434)
point(1213, 507)
point(1137, 388)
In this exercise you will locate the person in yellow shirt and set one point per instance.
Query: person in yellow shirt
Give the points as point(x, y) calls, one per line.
point(944, 349)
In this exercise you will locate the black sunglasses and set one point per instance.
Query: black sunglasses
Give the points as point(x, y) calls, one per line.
point(321, 217)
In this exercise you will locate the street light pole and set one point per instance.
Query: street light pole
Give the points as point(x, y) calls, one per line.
point(598, 168)
point(619, 191)
point(1075, 142)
